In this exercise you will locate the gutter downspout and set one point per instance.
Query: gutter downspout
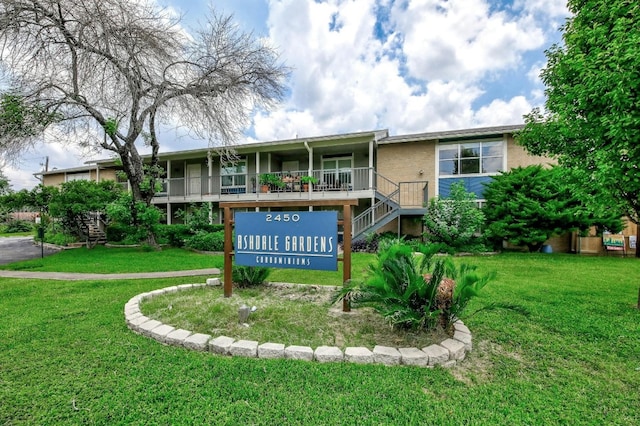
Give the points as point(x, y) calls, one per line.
point(310, 167)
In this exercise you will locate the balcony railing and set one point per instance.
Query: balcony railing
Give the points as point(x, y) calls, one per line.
point(353, 182)
point(357, 179)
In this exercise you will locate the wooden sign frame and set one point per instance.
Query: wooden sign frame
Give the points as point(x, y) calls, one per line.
point(345, 222)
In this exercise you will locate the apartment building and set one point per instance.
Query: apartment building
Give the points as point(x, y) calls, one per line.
point(392, 177)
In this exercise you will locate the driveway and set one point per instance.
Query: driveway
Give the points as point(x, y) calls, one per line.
point(13, 249)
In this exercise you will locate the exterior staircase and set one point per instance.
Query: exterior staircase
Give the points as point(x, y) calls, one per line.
point(392, 200)
point(91, 231)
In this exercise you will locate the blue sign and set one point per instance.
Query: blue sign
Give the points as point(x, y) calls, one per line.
point(299, 240)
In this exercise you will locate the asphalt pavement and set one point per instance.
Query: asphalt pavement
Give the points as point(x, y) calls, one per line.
point(14, 249)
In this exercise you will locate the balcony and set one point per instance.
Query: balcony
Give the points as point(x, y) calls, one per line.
point(329, 183)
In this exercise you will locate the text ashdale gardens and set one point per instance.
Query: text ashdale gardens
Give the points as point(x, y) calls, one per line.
point(306, 240)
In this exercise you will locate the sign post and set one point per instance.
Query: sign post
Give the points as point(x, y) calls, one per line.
point(40, 235)
point(287, 239)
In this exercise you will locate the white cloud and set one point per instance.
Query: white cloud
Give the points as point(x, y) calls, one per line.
point(499, 112)
point(553, 9)
point(462, 39)
point(425, 74)
point(410, 66)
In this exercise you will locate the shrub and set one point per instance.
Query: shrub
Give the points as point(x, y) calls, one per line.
point(117, 233)
point(412, 291)
point(527, 205)
point(368, 245)
point(371, 242)
point(143, 218)
point(18, 225)
point(206, 241)
point(247, 276)
point(59, 238)
point(213, 228)
point(174, 235)
point(454, 221)
point(196, 216)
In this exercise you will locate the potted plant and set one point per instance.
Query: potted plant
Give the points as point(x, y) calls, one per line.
point(306, 180)
point(277, 183)
point(265, 181)
point(270, 181)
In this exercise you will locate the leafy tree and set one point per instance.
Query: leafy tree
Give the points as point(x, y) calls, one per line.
point(527, 205)
point(146, 223)
point(77, 198)
point(21, 123)
point(5, 186)
point(593, 99)
point(123, 67)
point(37, 199)
point(453, 220)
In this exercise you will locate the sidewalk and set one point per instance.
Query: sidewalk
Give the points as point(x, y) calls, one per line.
point(73, 276)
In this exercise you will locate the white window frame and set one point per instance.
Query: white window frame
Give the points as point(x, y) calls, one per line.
point(480, 173)
point(439, 145)
point(77, 176)
point(234, 176)
point(336, 170)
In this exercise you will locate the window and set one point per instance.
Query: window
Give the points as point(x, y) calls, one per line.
point(470, 158)
point(336, 172)
point(78, 176)
point(472, 163)
point(233, 176)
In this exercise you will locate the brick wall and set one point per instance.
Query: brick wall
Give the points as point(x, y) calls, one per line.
point(517, 156)
point(403, 162)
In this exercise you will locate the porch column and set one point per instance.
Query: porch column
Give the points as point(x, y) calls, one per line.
point(168, 181)
point(210, 177)
point(310, 169)
point(257, 177)
point(169, 214)
point(371, 165)
point(371, 185)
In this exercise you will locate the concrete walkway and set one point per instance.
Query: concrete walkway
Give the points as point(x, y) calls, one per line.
point(73, 276)
point(13, 249)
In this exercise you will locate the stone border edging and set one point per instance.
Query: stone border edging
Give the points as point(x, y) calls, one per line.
point(446, 354)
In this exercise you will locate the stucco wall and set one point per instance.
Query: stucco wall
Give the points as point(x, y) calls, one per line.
point(53, 180)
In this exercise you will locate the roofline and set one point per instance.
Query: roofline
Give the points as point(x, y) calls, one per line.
point(87, 168)
point(453, 134)
point(376, 134)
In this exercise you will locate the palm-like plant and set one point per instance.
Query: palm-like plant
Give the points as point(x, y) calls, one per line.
point(396, 286)
point(403, 286)
point(468, 285)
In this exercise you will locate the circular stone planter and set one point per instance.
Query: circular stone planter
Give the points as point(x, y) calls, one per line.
point(445, 354)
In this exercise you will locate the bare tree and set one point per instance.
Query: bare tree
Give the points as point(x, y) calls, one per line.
point(127, 66)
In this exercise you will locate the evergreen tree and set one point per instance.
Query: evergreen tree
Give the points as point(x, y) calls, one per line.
point(592, 117)
point(528, 205)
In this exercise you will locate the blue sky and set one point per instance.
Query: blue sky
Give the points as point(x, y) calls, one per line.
point(409, 66)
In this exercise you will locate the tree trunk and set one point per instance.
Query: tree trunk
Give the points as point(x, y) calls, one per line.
point(637, 240)
point(133, 167)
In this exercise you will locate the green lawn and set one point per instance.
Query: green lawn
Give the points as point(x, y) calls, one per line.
point(16, 234)
point(560, 344)
point(104, 260)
